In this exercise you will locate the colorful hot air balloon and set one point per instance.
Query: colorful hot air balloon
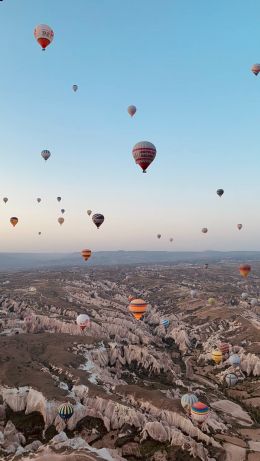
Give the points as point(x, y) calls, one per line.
point(234, 360)
point(65, 411)
point(44, 35)
point(61, 220)
point(199, 412)
point(239, 226)
point(131, 110)
point(165, 323)
point(144, 153)
point(89, 212)
point(224, 348)
point(255, 69)
point(220, 192)
point(13, 221)
point(188, 400)
point(159, 236)
point(244, 270)
point(39, 199)
point(62, 211)
point(75, 88)
point(86, 254)
point(5, 199)
point(59, 199)
point(45, 154)
point(83, 321)
point(98, 219)
point(231, 379)
point(217, 356)
point(138, 308)
point(204, 230)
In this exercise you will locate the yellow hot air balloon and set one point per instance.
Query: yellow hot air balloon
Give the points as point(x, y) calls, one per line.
point(138, 307)
point(86, 254)
point(14, 221)
point(211, 301)
point(217, 356)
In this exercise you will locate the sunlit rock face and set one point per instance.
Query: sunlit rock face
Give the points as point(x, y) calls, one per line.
point(125, 378)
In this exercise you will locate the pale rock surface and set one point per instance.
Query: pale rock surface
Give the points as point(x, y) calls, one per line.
point(234, 410)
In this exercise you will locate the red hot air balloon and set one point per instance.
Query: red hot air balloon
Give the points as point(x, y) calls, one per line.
point(144, 153)
point(44, 35)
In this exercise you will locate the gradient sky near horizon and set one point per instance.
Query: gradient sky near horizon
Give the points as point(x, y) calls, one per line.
point(186, 65)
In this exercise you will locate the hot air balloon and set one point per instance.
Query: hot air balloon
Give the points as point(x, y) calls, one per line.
point(255, 69)
point(217, 356)
point(244, 270)
point(44, 35)
point(83, 321)
point(159, 236)
point(66, 411)
point(165, 323)
point(220, 192)
point(199, 412)
point(39, 233)
point(13, 221)
point(86, 254)
point(234, 302)
point(45, 154)
point(59, 199)
point(253, 302)
point(224, 348)
point(98, 219)
point(62, 211)
point(234, 360)
point(231, 379)
point(244, 296)
point(89, 212)
point(206, 266)
point(131, 110)
point(239, 226)
point(75, 88)
point(61, 220)
point(39, 199)
point(171, 239)
point(188, 400)
point(211, 301)
point(204, 230)
point(144, 153)
point(138, 308)
point(5, 199)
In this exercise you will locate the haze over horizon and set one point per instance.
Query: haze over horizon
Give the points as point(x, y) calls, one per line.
point(186, 66)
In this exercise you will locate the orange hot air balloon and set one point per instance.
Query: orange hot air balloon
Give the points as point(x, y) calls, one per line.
point(13, 221)
point(138, 307)
point(86, 254)
point(244, 270)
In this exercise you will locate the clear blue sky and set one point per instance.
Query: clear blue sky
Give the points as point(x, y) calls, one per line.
point(186, 65)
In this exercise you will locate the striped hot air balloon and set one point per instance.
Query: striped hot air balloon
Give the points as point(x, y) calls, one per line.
point(165, 323)
point(217, 356)
point(86, 254)
point(65, 411)
point(244, 270)
point(45, 154)
point(224, 348)
point(144, 153)
point(199, 412)
point(138, 307)
point(231, 379)
point(188, 400)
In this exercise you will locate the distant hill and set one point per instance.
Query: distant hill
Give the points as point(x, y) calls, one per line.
point(23, 261)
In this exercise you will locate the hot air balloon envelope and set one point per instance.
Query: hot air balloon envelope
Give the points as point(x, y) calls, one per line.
point(44, 35)
point(144, 153)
